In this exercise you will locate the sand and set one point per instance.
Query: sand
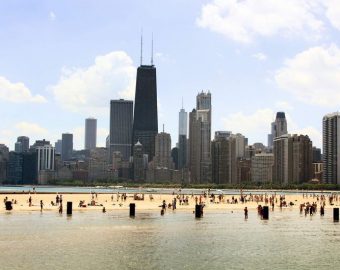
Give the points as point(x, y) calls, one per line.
point(105, 200)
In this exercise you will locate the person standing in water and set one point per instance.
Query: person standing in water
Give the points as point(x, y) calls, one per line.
point(245, 213)
point(41, 205)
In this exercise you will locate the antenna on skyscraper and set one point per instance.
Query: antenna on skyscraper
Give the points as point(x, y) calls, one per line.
point(152, 50)
point(141, 47)
point(182, 103)
point(163, 128)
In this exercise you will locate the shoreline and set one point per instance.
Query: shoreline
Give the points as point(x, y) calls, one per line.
point(152, 202)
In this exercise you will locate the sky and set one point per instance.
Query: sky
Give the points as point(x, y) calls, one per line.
point(62, 61)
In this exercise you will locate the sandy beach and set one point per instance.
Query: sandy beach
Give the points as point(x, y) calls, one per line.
point(96, 202)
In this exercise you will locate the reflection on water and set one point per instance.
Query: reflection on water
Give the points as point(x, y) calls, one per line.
point(220, 240)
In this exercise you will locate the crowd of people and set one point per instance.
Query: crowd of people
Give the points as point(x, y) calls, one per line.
point(312, 202)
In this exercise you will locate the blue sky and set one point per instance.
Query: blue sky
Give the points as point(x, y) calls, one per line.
point(62, 61)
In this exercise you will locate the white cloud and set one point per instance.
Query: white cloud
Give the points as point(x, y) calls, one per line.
point(313, 76)
point(30, 129)
point(257, 125)
point(244, 20)
point(333, 12)
point(283, 106)
point(260, 56)
point(17, 92)
point(252, 125)
point(52, 16)
point(89, 90)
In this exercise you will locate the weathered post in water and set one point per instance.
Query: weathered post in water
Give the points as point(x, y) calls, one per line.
point(8, 205)
point(69, 208)
point(265, 212)
point(198, 211)
point(132, 209)
point(336, 214)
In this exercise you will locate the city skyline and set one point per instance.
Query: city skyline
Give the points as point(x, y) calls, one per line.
point(253, 54)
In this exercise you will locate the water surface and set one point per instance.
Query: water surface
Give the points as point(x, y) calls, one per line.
point(220, 240)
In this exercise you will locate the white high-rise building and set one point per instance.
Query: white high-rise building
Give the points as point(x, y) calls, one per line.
point(331, 148)
point(183, 122)
point(46, 157)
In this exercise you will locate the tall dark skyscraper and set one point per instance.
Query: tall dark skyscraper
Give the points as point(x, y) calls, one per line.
point(331, 148)
point(66, 146)
point(121, 119)
point(145, 124)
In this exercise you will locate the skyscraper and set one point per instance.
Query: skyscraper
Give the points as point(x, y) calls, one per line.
point(25, 143)
point(331, 148)
point(18, 147)
point(4, 155)
point(163, 157)
point(223, 155)
point(121, 120)
point(278, 128)
point(302, 159)
point(22, 168)
point(293, 157)
point(138, 162)
point(241, 143)
point(182, 139)
point(222, 134)
point(203, 101)
point(58, 147)
point(199, 139)
point(46, 163)
point(90, 133)
point(262, 168)
point(145, 122)
point(67, 146)
point(280, 124)
point(281, 160)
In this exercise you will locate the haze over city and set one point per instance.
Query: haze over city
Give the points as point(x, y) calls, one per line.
point(64, 61)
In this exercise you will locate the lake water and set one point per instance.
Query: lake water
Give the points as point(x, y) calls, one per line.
point(65, 189)
point(220, 240)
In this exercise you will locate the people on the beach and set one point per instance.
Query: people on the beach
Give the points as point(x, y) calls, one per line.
point(246, 213)
point(41, 205)
point(322, 210)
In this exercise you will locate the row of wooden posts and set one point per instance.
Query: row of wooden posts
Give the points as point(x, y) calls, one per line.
point(198, 211)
